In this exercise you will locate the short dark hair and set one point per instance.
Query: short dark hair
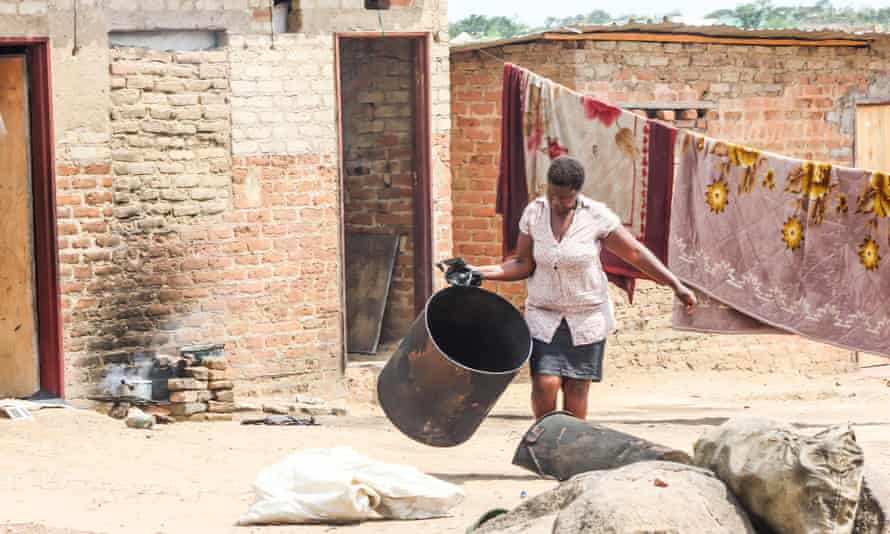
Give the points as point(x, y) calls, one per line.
point(566, 171)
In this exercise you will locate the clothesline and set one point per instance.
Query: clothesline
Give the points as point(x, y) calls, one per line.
point(767, 239)
point(543, 119)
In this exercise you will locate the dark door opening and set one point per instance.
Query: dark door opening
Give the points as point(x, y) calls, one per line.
point(30, 328)
point(385, 161)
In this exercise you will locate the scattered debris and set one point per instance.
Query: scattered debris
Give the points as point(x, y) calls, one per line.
point(304, 409)
point(276, 409)
point(337, 485)
point(162, 419)
point(136, 418)
point(246, 407)
point(15, 411)
point(203, 417)
point(281, 420)
point(160, 412)
point(119, 410)
point(659, 483)
point(315, 409)
point(306, 399)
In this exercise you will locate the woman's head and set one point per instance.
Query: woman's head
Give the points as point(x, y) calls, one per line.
point(565, 178)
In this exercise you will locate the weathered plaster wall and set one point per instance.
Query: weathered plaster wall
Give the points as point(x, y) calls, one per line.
point(261, 270)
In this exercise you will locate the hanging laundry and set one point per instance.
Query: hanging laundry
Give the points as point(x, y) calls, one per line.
point(512, 191)
point(628, 160)
point(801, 246)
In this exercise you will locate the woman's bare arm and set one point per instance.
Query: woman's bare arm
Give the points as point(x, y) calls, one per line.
point(518, 268)
point(625, 246)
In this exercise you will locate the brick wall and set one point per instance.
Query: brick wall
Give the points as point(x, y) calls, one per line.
point(793, 100)
point(378, 150)
point(190, 212)
point(175, 243)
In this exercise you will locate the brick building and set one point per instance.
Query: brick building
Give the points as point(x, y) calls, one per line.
point(186, 172)
point(805, 94)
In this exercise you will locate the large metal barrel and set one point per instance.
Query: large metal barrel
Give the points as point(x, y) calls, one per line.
point(460, 355)
point(561, 446)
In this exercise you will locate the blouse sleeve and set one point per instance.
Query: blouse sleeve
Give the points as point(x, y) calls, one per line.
point(528, 217)
point(608, 221)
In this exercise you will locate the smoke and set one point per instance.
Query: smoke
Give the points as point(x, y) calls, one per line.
point(162, 350)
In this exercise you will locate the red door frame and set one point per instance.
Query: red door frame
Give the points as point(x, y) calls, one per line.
point(43, 183)
point(423, 199)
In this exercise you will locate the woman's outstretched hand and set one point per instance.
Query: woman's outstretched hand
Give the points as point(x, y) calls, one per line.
point(687, 297)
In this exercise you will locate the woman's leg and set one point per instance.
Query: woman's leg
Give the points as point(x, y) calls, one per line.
point(575, 394)
point(545, 389)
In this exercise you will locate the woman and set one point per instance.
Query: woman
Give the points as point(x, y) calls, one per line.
point(569, 311)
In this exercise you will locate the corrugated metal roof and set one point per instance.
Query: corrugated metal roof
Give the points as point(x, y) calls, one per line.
point(672, 28)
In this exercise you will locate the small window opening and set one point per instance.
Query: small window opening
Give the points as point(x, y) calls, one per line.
point(377, 4)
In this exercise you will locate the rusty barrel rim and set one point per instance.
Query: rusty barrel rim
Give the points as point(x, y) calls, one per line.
point(426, 325)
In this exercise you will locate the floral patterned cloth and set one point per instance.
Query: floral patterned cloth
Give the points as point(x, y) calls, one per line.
point(629, 161)
point(770, 240)
point(569, 281)
point(612, 145)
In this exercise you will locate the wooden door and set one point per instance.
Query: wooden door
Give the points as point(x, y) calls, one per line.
point(873, 136)
point(19, 367)
point(873, 153)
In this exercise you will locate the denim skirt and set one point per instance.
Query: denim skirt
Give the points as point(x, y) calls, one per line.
point(560, 357)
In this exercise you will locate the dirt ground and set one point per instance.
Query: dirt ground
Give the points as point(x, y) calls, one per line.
point(76, 471)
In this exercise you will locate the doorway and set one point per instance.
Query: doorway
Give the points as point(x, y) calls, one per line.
point(30, 334)
point(385, 160)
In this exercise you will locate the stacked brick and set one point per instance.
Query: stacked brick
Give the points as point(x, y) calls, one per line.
point(206, 393)
point(793, 100)
point(171, 129)
point(378, 141)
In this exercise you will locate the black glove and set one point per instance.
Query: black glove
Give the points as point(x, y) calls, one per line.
point(458, 273)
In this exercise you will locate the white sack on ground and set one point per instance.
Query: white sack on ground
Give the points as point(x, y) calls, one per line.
point(337, 485)
point(794, 483)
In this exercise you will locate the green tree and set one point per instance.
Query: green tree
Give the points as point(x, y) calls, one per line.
point(763, 14)
point(488, 27)
point(750, 16)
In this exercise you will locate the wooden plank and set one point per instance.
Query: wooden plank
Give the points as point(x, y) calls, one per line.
point(873, 137)
point(702, 39)
point(370, 260)
point(19, 367)
point(873, 152)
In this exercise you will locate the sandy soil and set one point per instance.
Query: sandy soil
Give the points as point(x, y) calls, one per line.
point(76, 471)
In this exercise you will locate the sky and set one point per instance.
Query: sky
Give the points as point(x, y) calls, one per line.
point(533, 12)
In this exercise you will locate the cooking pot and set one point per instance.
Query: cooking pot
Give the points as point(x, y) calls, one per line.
point(135, 387)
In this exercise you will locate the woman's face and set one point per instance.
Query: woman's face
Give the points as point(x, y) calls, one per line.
point(562, 198)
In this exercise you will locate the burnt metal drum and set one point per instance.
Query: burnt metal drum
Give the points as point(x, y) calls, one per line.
point(561, 446)
point(460, 355)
